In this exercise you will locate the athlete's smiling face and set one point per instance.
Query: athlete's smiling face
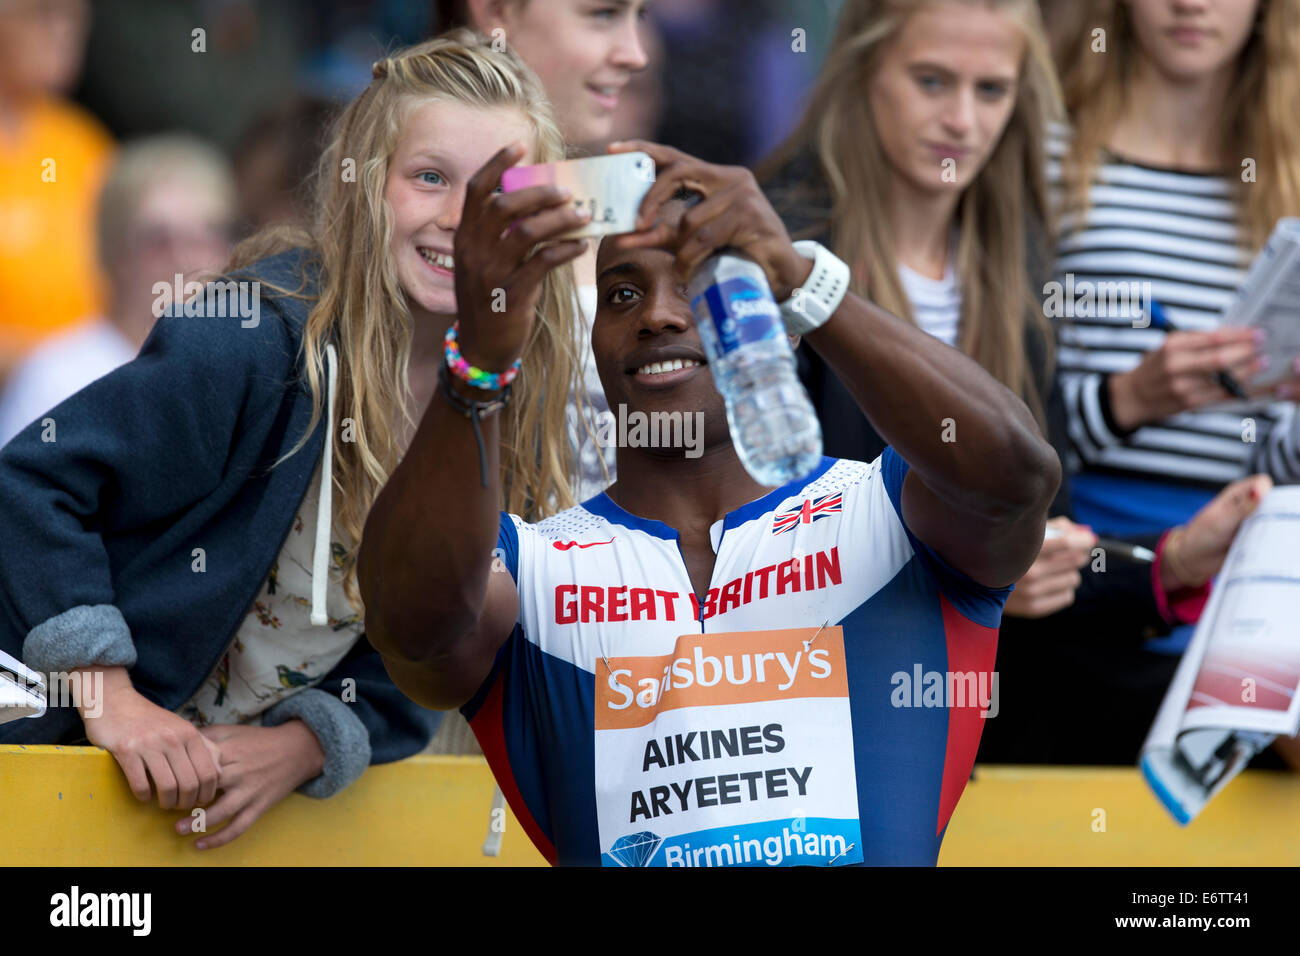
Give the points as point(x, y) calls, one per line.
point(647, 350)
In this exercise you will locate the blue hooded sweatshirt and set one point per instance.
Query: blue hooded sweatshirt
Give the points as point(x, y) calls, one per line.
point(104, 500)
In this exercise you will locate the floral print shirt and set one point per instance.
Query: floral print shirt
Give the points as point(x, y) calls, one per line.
point(276, 651)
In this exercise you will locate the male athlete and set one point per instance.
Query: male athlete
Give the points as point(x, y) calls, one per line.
point(651, 682)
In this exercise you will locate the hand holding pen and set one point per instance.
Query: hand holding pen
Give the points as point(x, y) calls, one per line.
point(1160, 320)
point(1051, 581)
point(1189, 370)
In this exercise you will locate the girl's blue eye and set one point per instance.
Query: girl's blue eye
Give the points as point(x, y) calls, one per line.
point(993, 91)
point(929, 82)
point(437, 176)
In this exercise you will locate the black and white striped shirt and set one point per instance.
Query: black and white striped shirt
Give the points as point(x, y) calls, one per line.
point(1171, 236)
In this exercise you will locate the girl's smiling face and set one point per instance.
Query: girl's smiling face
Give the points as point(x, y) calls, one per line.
point(584, 52)
point(442, 144)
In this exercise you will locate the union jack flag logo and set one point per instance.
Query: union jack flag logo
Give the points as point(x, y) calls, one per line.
point(808, 512)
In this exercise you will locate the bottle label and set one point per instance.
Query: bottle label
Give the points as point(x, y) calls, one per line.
point(735, 312)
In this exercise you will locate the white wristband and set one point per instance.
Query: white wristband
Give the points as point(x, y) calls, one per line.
point(810, 306)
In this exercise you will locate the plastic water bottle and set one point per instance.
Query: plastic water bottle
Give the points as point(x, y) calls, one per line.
point(773, 426)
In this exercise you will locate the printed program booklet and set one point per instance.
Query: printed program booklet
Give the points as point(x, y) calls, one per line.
point(1236, 686)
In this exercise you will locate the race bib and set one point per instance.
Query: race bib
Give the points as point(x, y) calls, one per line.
point(734, 750)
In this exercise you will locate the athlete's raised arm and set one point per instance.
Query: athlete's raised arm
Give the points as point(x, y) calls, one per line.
point(434, 610)
point(981, 475)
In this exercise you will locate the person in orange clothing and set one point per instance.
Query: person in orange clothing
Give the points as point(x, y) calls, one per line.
point(53, 156)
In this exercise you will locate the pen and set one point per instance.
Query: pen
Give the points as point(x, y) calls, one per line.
point(1160, 320)
point(1123, 549)
point(1112, 546)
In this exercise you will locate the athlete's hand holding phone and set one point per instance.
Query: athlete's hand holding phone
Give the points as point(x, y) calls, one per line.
point(610, 188)
point(499, 265)
point(733, 213)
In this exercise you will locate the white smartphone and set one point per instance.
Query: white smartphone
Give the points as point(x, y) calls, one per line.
point(609, 187)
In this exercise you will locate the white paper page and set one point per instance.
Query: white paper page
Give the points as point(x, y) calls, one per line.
point(1269, 299)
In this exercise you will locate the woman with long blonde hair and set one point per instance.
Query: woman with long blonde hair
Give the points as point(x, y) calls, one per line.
point(198, 511)
point(966, 193)
point(920, 161)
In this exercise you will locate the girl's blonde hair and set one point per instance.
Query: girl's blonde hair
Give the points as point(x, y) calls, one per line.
point(1010, 193)
point(1258, 120)
point(360, 304)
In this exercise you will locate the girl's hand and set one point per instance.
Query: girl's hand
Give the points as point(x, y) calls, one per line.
point(1051, 581)
point(1195, 552)
point(499, 270)
point(1287, 388)
point(734, 213)
point(149, 742)
point(260, 766)
point(1180, 375)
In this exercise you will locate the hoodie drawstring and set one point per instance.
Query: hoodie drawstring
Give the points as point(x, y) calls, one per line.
point(321, 559)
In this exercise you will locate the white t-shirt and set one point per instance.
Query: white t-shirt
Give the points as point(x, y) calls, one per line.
point(936, 303)
point(58, 369)
point(591, 480)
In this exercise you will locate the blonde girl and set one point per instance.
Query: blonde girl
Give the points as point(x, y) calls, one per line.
point(198, 511)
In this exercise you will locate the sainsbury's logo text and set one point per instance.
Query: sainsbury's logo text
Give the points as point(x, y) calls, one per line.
point(718, 670)
point(707, 671)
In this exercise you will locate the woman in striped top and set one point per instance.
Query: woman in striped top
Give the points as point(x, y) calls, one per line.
point(1184, 152)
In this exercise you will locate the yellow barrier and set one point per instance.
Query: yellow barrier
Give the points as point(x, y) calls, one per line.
point(70, 806)
point(1045, 816)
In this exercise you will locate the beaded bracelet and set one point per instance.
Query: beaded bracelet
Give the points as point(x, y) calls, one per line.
point(468, 373)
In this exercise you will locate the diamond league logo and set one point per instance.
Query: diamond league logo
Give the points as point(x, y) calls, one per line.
point(635, 849)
